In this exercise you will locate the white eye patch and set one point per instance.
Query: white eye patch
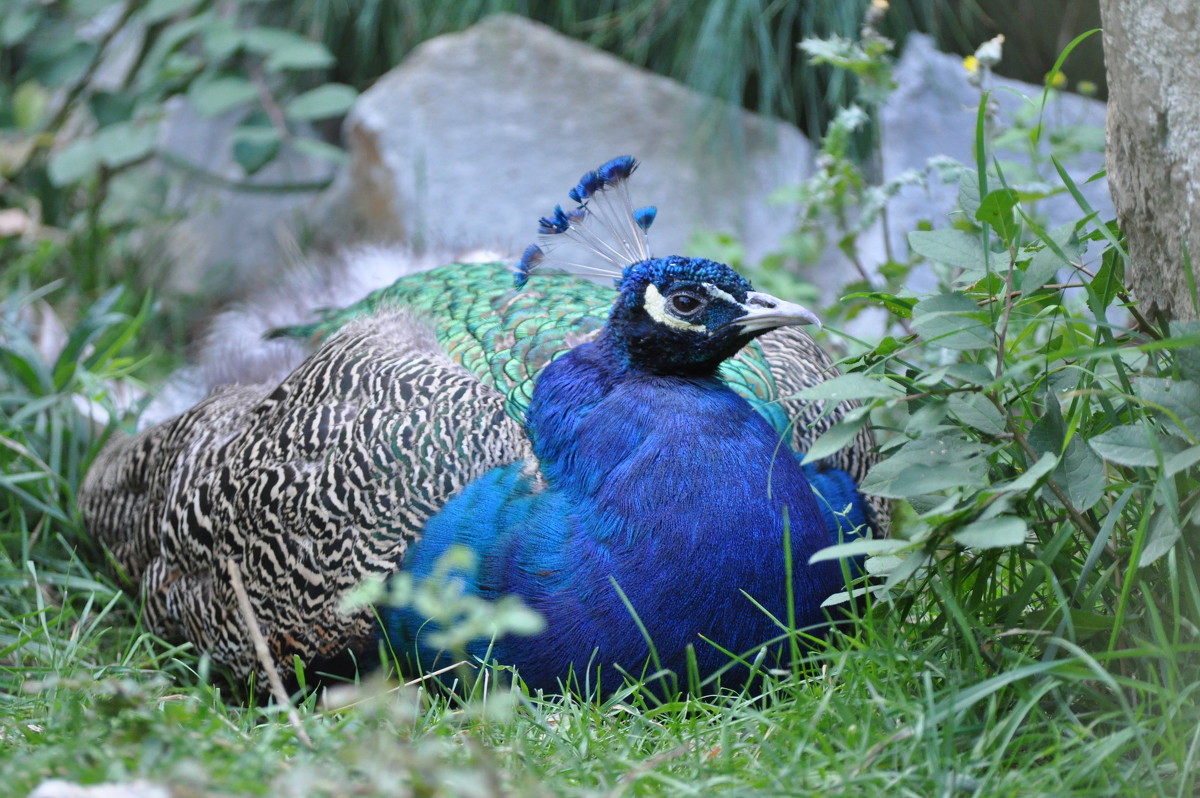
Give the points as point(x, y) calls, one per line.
point(717, 293)
point(656, 305)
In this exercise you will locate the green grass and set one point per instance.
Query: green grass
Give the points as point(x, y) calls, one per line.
point(890, 710)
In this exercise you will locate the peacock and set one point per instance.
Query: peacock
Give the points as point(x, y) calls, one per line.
point(628, 464)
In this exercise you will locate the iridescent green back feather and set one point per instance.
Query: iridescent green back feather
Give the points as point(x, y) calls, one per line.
point(506, 336)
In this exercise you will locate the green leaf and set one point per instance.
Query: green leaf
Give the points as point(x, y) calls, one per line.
point(971, 373)
point(323, 102)
point(1132, 445)
point(1180, 397)
point(221, 39)
point(836, 437)
point(870, 547)
point(900, 481)
point(931, 377)
point(955, 248)
point(320, 149)
point(125, 142)
point(1187, 357)
point(939, 461)
point(373, 590)
point(1046, 263)
point(180, 66)
point(170, 41)
point(1181, 461)
point(83, 335)
point(1032, 476)
point(953, 321)
point(111, 107)
point(850, 386)
point(887, 346)
point(912, 563)
point(926, 418)
point(158, 10)
point(29, 104)
point(17, 24)
point(898, 305)
point(73, 162)
point(993, 533)
point(1164, 533)
point(996, 210)
point(976, 411)
point(286, 50)
point(842, 596)
point(309, 56)
point(968, 192)
point(1080, 473)
point(255, 147)
point(60, 63)
point(1109, 280)
point(214, 97)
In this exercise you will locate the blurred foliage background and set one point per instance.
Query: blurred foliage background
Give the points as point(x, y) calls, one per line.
point(743, 51)
point(84, 84)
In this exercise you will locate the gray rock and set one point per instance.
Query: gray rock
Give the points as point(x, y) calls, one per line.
point(479, 133)
point(933, 112)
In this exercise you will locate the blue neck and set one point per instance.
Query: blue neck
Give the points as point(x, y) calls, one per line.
point(674, 488)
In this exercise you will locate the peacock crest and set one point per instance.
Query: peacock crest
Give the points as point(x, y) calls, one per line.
point(603, 222)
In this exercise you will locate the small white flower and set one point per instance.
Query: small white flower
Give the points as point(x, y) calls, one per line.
point(989, 52)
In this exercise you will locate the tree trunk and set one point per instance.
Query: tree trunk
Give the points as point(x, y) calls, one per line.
point(1152, 52)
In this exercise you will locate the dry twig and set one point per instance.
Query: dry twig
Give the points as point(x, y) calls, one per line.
point(264, 655)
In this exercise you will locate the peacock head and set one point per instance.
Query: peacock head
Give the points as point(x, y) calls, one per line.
point(672, 315)
point(678, 315)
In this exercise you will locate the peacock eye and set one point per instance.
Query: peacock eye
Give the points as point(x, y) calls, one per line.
point(685, 304)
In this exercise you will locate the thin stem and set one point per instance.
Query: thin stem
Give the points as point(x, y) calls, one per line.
point(1084, 525)
point(1002, 335)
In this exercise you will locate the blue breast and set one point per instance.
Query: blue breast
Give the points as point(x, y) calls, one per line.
point(673, 488)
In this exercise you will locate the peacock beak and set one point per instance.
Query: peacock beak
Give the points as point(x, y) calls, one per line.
point(765, 312)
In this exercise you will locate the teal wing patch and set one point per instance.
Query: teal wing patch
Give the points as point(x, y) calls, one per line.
point(505, 336)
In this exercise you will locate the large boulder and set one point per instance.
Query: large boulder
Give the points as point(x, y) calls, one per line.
point(479, 133)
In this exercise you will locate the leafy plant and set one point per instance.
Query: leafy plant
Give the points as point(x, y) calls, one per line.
point(84, 89)
point(1040, 440)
